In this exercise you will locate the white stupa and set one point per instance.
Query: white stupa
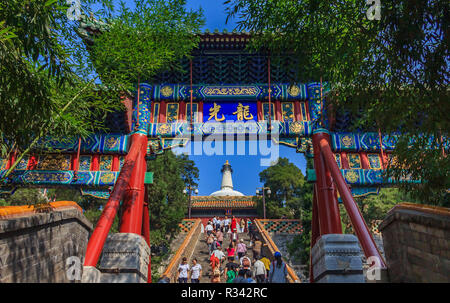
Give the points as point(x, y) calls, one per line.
point(226, 189)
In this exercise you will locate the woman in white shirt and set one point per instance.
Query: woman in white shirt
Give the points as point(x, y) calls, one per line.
point(183, 269)
point(196, 271)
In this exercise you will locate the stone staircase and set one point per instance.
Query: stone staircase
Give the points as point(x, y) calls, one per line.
point(201, 252)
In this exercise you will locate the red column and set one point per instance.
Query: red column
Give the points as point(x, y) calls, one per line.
point(344, 161)
point(307, 110)
point(12, 159)
point(315, 232)
point(95, 165)
point(279, 114)
point(182, 113)
point(200, 111)
point(328, 209)
point(98, 238)
point(115, 163)
point(32, 163)
point(133, 202)
point(260, 111)
point(364, 160)
point(162, 112)
point(297, 111)
point(146, 232)
point(75, 161)
point(359, 225)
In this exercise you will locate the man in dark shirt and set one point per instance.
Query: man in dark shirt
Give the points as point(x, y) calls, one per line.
point(252, 231)
point(241, 277)
point(230, 266)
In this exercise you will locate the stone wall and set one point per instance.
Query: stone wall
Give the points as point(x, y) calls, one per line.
point(416, 243)
point(269, 249)
point(34, 246)
point(282, 240)
point(186, 250)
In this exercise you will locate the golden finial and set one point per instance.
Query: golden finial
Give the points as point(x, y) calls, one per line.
point(226, 163)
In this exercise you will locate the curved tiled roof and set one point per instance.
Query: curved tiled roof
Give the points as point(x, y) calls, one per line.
point(223, 202)
point(233, 40)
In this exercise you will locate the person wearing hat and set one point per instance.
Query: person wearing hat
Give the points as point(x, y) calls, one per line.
point(278, 270)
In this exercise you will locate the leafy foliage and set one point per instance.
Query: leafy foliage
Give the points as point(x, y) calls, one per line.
point(46, 85)
point(291, 198)
point(392, 73)
point(92, 207)
point(168, 203)
point(139, 42)
point(287, 185)
point(375, 207)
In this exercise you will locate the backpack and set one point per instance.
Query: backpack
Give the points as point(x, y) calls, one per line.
point(231, 274)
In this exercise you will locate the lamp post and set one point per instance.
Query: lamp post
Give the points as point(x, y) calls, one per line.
point(263, 189)
point(189, 190)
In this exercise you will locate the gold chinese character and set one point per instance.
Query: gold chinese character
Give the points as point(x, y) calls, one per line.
point(242, 112)
point(213, 111)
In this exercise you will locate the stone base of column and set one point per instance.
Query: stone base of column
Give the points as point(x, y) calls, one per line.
point(125, 259)
point(336, 259)
point(91, 275)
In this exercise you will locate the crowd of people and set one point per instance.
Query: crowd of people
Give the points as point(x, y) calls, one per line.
point(234, 264)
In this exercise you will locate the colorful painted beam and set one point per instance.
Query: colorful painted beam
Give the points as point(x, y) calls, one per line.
point(61, 178)
point(229, 92)
point(361, 177)
point(183, 129)
point(96, 144)
point(370, 141)
point(362, 142)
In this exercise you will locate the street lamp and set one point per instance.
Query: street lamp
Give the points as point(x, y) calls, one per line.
point(263, 189)
point(189, 190)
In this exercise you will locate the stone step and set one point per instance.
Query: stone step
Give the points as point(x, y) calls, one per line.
point(201, 252)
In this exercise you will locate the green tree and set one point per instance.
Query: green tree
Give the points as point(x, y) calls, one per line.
point(168, 203)
point(375, 207)
point(291, 198)
point(23, 196)
point(137, 43)
point(390, 73)
point(46, 87)
point(286, 182)
point(92, 207)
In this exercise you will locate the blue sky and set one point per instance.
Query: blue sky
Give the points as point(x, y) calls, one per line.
point(214, 11)
point(246, 168)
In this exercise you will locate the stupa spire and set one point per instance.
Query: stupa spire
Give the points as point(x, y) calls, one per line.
point(227, 181)
point(226, 188)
